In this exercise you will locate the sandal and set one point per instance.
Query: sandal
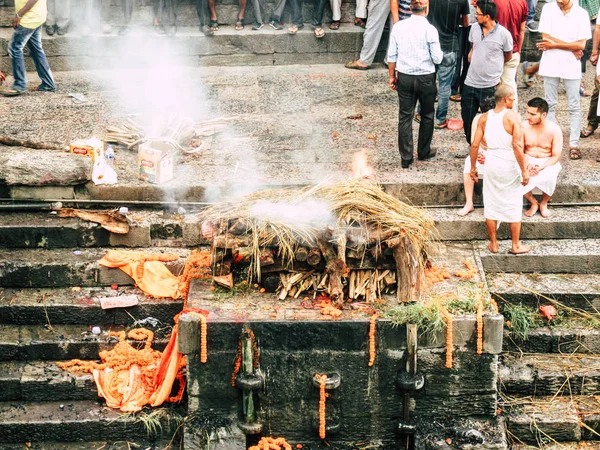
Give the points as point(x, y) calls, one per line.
point(239, 24)
point(335, 25)
point(574, 153)
point(456, 98)
point(294, 29)
point(355, 65)
point(417, 118)
point(360, 22)
point(213, 24)
point(584, 93)
point(319, 33)
point(587, 132)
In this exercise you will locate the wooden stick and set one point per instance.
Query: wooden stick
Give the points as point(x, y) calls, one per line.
point(11, 142)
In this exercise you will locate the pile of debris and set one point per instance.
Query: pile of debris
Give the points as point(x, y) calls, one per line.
point(348, 240)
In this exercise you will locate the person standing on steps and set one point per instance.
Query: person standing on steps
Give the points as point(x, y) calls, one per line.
point(565, 28)
point(505, 171)
point(29, 17)
point(378, 12)
point(413, 52)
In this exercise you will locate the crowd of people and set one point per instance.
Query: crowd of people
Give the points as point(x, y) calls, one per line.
point(519, 159)
point(439, 50)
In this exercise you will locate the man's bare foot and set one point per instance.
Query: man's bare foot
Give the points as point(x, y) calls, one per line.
point(532, 210)
point(520, 249)
point(544, 211)
point(466, 210)
point(493, 247)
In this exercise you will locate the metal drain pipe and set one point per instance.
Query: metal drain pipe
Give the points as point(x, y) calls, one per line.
point(37, 205)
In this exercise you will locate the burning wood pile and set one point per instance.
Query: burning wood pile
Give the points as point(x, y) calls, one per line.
point(348, 240)
point(182, 133)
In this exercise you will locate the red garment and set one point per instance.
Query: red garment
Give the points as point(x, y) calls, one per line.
point(511, 14)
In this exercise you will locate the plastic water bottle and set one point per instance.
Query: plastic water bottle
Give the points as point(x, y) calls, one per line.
point(109, 156)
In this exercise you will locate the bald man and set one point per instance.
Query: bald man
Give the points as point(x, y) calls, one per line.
point(505, 170)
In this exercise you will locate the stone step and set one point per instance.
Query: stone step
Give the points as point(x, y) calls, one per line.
point(155, 228)
point(581, 445)
point(99, 445)
point(43, 381)
point(78, 421)
point(573, 256)
point(577, 338)
point(58, 342)
point(543, 418)
point(227, 13)
point(80, 306)
point(25, 268)
point(548, 374)
point(579, 291)
point(560, 419)
point(142, 48)
point(147, 229)
point(565, 223)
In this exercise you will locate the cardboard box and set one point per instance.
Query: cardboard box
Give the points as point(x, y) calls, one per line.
point(155, 162)
point(89, 147)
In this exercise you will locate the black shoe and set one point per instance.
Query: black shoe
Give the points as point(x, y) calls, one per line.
point(406, 164)
point(172, 30)
point(50, 30)
point(257, 26)
point(123, 31)
point(207, 31)
point(275, 25)
point(431, 155)
point(62, 31)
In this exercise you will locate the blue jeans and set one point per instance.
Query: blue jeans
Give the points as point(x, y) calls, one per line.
point(531, 5)
point(33, 39)
point(445, 74)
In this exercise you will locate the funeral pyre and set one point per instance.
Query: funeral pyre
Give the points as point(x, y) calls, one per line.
point(346, 240)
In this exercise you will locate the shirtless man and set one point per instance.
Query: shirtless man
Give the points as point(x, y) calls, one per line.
point(505, 169)
point(543, 147)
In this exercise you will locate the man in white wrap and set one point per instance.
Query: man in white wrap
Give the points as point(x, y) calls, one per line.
point(505, 170)
point(543, 146)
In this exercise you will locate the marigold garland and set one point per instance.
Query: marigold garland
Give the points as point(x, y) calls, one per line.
point(237, 364)
point(449, 338)
point(322, 401)
point(466, 274)
point(494, 306)
point(372, 340)
point(480, 327)
point(267, 443)
point(197, 265)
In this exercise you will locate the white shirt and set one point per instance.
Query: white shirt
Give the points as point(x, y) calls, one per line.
point(415, 46)
point(571, 27)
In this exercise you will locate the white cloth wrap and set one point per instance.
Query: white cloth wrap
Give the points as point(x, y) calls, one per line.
point(545, 181)
point(502, 193)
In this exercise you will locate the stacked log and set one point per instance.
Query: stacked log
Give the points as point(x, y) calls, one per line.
point(357, 266)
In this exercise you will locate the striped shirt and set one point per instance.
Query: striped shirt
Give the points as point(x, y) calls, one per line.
point(404, 9)
point(415, 46)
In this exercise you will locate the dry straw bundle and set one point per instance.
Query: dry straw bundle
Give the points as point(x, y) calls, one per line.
point(352, 214)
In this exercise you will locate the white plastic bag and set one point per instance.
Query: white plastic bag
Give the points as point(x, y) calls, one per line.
point(102, 173)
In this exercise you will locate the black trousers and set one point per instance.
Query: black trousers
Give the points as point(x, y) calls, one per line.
point(165, 11)
point(203, 12)
point(473, 100)
point(410, 89)
point(462, 60)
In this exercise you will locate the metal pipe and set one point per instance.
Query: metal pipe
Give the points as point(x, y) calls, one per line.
point(31, 207)
point(187, 203)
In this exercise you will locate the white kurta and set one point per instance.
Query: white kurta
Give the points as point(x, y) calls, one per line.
point(502, 193)
point(545, 181)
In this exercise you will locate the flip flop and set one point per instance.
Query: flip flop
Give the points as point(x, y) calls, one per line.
point(213, 25)
point(360, 22)
point(335, 25)
point(239, 24)
point(455, 98)
point(355, 65)
point(294, 29)
point(319, 33)
point(11, 92)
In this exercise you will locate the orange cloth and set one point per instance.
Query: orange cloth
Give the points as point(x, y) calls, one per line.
point(148, 271)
